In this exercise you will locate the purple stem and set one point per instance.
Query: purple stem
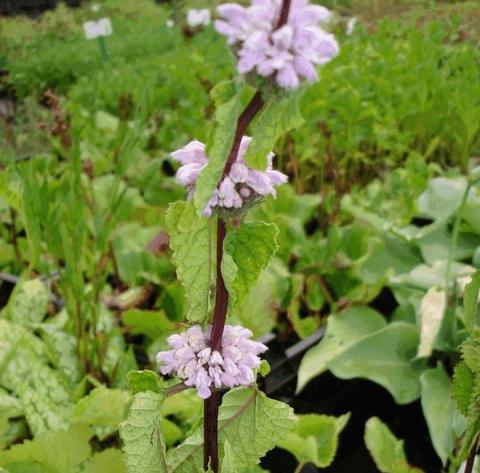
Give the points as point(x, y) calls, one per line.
point(211, 405)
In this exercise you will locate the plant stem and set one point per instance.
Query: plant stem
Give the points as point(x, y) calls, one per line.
point(221, 294)
point(471, 457)
point(211, 405)
point(210, 432)
point(455, 234)
point(283, 18)
point(299, 468)
point(13, 233)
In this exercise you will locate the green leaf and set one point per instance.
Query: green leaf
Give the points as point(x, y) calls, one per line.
point(386, 450)
point(264, 368)
point(303, 326)
point(343, 331)
point(385, 357)
point(218, 150)
point(251, 246)
point(143, 444)
point(463, 387)
point(11, 189)
point(228, 463)
point(142, 381)
point(439, 410)
point(107, 461)
point(432, 310)
point(251, 423)
point(62, 352)
point(277, 117)
point(314, 439)
point(443, 197)
point(151, 323)
point(102, 407)
point(19, 351)
point(171, 432)
point(471, 301)
point(190, 240)
point(358, 344)
point(258, 311)
point(46, 400)
point(28, 303)
point(58, 452)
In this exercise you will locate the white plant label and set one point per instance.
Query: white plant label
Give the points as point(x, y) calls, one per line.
point(198, 17)
point(94, 29)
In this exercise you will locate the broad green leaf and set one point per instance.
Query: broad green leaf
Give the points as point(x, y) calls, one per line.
point(314, 439)
point(46, 400)
point(62, 351)
point(142, 381)
point(426, 276)
point(386, 450)
point(392, 255)
point(277, 117)
point(58, 452)
point(102, 407)
point(218, 150)
point(432, 310)
point(19, 351)
point(443, 197)
point(251, 246)
point(471, 301)
point(249, 421)
point(463, 387)
point(343, 331)
point(147, 322)
point(107, 461)
point(258, 311)
point(439, 410)
point(190, 240)
point(28, 303)
point(171, 432)
point(384, 357)
point(186, 406)
point(143, 445)
point(228, 463)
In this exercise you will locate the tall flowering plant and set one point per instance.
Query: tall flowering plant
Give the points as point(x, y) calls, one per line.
point(278, 44)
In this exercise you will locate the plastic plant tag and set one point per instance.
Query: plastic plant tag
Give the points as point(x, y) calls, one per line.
point(91, 29)
point(105, 26)
point(198, 17)
point(95, 29)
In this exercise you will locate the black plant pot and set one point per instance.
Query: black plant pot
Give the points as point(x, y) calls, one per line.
point(31, 7)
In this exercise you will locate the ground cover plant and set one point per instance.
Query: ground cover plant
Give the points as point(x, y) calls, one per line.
point(148, 247)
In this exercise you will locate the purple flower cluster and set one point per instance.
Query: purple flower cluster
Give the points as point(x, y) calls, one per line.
point(240, 185)
point(193, 361)
point(290, 52)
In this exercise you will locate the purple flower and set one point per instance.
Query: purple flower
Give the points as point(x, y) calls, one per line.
point(239, 186)
point(193, 361)
point(289, 53)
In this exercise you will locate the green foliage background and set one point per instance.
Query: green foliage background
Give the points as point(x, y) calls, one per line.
point(383, 196)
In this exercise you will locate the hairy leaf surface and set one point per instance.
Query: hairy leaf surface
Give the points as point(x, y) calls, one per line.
point(277, 117)
point(143, 444)
point(190, 240)
point(251, 423)
point(250, 248)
